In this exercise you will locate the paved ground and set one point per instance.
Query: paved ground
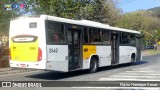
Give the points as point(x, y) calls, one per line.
point(146, 70)
point(8, 70)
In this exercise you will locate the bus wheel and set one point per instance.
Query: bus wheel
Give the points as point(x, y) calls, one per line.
point(132, 59)
point(93, 65)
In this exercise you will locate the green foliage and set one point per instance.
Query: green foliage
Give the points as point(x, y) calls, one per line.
point(95, 10)
point(5, 17)
point(143, 21)
point(104, 11)
point(155, 11)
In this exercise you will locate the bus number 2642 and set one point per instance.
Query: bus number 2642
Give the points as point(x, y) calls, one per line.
point(53, 50)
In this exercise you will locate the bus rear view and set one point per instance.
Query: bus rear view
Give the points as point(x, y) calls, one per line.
point(25, 48)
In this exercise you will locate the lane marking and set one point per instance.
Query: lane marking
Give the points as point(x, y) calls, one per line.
point(142, 74)
point(144, 71)
point(136, 76)
point(146, 88)
point(127, 79)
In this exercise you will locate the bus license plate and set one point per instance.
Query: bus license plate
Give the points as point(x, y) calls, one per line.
point(22, 65)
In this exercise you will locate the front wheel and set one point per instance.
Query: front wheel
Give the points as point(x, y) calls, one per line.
point(132, 60)
point(93, 65)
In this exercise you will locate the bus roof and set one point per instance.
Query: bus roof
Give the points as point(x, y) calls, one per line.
point(81, 22)
point(87, 23)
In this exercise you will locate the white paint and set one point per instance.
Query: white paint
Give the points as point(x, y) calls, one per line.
point(20, 26)
point(147, 71)
point(141, 74)
point(125, 53)
point(136, 76)
point(104, 53)
point(142, 69)
point(57, 52)
point(106, 88)
point(36, 65)
point(23, 39)
point(86, 64)
point(126, 79)
point(57, 57)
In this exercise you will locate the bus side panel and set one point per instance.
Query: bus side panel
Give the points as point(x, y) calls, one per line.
point(125, 53)
point(57, 57)
point(88, 51)
point(104, 53)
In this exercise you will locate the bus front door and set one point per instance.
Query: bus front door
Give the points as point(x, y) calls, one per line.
point(114, 49)
point(74, 38)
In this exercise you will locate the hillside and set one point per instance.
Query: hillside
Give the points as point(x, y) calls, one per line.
point(156, 11)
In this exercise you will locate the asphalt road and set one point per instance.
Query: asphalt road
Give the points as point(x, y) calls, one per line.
point(145, 70)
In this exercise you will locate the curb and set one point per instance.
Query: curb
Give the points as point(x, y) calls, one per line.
point(4, 71)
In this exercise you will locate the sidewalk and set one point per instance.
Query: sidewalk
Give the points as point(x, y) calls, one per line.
point(150, 52)
point(5, 69)
point(9, 70)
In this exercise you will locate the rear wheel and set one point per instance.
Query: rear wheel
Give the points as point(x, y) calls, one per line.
point(132, 59)
point(93, 65)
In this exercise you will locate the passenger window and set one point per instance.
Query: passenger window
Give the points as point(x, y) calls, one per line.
point(95, 36)
point(55, 32)
point(125, 38)
point(105, 37)
point(85, 35)
point(132, 40)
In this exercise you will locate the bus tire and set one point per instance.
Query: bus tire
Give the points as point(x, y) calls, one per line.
point(132, 59)
point(93, 65)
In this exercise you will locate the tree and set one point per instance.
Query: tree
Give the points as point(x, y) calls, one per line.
point(5, 17)
point(142, 21)
point(104, 11)
point(96, 10)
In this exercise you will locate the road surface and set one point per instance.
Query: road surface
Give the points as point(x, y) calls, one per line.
point(146, 70)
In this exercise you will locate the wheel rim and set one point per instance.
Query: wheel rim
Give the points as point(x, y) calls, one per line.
point(132, 60)
point(93, 66)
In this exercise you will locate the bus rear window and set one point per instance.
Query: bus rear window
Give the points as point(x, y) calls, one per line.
point(33, 25)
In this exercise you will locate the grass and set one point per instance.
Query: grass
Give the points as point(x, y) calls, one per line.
point(151, 52)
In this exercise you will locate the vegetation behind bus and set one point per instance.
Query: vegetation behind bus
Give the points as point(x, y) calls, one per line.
point(148, 22)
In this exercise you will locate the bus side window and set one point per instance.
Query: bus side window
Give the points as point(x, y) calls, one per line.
point(85, 35)
point(55, 32)
point(105, 37)
point(95, 36)
point(125, 38)
point(132, 40)
point(56, 38)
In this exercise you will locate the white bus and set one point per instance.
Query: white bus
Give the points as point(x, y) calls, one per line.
point(59, 44)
